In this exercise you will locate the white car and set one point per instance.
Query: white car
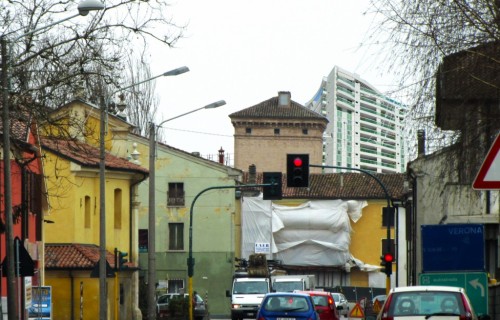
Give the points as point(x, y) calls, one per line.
point(428, 302)
point(341, 303)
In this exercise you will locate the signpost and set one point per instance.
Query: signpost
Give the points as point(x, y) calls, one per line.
point(474, 283)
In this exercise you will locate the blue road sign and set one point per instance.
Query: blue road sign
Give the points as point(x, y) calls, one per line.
point(453, 247)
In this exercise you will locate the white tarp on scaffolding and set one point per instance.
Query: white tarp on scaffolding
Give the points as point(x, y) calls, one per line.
point(316, 233)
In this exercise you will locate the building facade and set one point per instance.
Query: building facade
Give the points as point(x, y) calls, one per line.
point(72, 239)
point(267, 131)
point(345, 257)
point(365, 128)
point(180, 179)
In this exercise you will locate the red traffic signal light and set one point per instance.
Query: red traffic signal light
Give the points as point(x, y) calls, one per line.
point(297, 162)
point(388, 258)
point(297, 170)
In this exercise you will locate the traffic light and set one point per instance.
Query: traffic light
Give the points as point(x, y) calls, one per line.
point(122, 261)
point(272, 192)
point(387, 260)
point(297, 170)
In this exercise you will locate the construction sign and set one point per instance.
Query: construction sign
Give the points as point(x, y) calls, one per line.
point(377, 306)
point(357, 312)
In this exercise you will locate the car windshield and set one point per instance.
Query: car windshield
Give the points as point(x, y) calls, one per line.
point(425, 303)
point(320, 301)
point(336, 297)
point(286, 303)
point(252, 287)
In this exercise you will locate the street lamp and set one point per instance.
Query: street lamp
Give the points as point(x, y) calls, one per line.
point(152, 209)
point(102, 189)
point(6, 49)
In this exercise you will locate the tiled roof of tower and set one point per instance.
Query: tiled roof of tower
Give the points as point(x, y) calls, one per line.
point(87, 155)
point(75, 256)
point(272, 110)
point(348, 186)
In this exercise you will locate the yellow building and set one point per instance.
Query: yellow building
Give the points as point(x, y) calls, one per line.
point(72, 238)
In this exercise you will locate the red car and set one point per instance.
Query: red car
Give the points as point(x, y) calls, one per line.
point(324, 304)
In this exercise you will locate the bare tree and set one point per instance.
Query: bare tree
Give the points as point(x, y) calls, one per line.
point(415, 37)
point(48, 67)
point(142, 103)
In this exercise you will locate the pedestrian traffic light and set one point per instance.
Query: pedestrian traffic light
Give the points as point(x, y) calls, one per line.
point(122, 261)
point(387, 260)
point(297, 170)
point(272, 192)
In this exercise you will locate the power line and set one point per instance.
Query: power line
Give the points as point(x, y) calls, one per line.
point(199, 132)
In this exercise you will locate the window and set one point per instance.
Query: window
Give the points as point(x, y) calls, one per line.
point(248, 130)
point(305, 131)
point(175, 286)
point(176, 236)
point(276, 130)
point(87, 212)
point(118, 208)
point(175, 194)
point(143, 240)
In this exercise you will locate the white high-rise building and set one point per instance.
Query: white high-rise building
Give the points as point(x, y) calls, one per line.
point(365, 128)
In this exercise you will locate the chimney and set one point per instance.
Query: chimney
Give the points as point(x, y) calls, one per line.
point(252, 173)
point(420, 143)
point(284, 98)
point(221, 155)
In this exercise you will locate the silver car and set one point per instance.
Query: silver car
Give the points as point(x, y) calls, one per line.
point(341, 301)
point(428, 302)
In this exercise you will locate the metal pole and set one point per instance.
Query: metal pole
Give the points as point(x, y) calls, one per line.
point(102, 192)
point(388, 198)
point(152, 227)
point(9, 242)
point(190, 259)
point(103, 306)
point(151, 296)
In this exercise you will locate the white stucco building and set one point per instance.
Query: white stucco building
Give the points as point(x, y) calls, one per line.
point(365, 128)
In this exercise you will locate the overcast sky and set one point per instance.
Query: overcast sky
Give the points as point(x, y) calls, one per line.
point(245, 51)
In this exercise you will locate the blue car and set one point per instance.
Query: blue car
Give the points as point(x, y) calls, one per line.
point(286, 305)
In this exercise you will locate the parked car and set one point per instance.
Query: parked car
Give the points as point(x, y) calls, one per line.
point(162, 304)
point(324, 304)
point(200, 308)
point(427, 302)
point(341, 303)
point(287, 305)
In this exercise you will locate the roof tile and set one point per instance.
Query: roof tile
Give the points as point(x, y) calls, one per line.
point(87, 155)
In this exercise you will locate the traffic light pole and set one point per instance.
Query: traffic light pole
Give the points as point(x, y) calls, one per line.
point(190, 259)
point(388, 197)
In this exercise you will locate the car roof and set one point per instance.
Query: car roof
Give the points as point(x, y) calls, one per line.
point(427, 288)
point(316, 293)
point(280, 294)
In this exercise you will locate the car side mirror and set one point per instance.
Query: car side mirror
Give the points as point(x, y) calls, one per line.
point(340, 307)
point(228, 293)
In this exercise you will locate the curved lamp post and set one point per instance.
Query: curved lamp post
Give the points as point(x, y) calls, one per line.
point(152, 210)
point(6, 49)
point(102, 189)
point(388, 199)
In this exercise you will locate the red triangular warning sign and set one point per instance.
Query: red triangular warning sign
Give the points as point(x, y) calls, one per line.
point(488, 177)
point(357, 312)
